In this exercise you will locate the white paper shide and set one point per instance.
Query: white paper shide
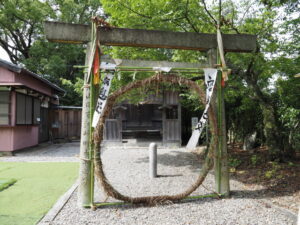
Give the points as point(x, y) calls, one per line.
point(103, 94)
point(210, 80)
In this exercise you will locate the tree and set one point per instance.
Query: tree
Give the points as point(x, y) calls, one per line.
point(21, 24)
point(22, 37)
point(255, 71)
point(269, 59)
point(250, 93)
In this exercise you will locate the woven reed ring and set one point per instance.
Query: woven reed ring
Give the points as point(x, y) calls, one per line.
point(98, 137)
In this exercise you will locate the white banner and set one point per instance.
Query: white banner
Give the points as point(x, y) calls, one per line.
point(210, 80)
point(107, 66)
point(104, 91)
point(162, 69)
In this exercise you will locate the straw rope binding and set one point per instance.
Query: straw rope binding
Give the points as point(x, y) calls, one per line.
point(98, 137)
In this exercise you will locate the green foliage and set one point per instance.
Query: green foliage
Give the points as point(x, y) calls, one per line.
point(288, 85)
point(273, 59)
point(243, 114)
point(234, 162)
point(22, 36)
point(290, 118)
point(269, 174)
point(261, 94)
point(273, 171)
point(73, 91)
point(20, 25)
point(160, 14)
point(191, 100)
point(254, 160)
point(252, 104)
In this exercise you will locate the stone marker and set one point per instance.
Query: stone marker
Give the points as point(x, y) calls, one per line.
point(153, 160)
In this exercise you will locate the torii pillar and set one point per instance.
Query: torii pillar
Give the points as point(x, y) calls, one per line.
point(80, 34)
point(220, 152)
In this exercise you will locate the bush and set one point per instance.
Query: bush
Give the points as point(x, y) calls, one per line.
point(233, 162)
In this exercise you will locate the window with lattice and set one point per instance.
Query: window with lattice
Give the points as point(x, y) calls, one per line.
point(4, 107)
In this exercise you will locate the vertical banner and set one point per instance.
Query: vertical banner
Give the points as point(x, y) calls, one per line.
point(104, 91)
point(210, 81)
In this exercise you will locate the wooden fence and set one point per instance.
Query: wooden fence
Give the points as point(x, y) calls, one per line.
point(66, 123)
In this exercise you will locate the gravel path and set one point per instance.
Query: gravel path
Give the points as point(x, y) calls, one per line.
point(47, 152)
point(127, 170)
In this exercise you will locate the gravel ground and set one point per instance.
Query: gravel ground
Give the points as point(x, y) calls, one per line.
point(127, 170)
point(47, 152)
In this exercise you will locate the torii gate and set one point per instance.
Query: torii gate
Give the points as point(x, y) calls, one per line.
point(80, 34)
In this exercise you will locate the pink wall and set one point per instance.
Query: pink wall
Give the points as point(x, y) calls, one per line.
point(6, 138)
point(6, 76)
point(17, 137)
point(25, 136)
point(33, 84)
point(14, 138)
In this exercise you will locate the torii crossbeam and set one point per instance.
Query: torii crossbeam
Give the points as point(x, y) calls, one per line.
point(80, 34)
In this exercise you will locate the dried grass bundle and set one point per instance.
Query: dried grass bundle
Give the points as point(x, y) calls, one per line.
point(98, 137)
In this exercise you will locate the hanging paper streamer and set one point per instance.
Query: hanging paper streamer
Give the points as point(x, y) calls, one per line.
point(107, 66)
point(162, 69)
point(104, 91)
point(210, 80)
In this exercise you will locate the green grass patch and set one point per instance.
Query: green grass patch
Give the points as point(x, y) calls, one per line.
point(38, 187)
point(5, 183)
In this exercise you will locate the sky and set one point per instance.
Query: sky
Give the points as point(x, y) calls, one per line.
point(3, 55)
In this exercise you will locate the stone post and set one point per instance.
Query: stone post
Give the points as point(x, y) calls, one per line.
point(153, 160)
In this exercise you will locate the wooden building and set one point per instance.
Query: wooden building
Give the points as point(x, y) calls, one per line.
point(25, 104)
point(154, 119)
